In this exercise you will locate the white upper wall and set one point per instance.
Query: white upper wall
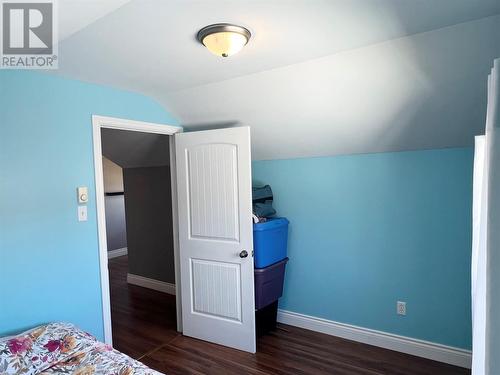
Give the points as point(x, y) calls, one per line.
point(317, 78)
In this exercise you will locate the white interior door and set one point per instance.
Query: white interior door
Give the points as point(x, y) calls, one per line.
point(215, 236)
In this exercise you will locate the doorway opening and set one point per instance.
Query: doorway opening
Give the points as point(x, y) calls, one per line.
point(139, 232)
point(137, 223)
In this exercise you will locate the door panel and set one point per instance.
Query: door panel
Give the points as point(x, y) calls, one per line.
point(213, 191)
point(216, 289)
point(215, 226)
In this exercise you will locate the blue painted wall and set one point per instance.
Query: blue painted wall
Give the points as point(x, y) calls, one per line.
point(49, 266)
point(368, 230)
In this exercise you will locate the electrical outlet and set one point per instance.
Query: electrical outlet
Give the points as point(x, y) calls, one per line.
point(401, 308)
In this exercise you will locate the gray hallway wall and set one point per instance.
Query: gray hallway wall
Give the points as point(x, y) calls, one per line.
point(148, 207)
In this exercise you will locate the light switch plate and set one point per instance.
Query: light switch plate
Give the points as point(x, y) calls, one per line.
point(83, 194)
point(82, 213)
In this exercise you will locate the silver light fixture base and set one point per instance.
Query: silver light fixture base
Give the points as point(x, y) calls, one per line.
point(222, 27)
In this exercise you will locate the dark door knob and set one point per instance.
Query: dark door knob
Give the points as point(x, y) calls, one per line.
point(243, 254)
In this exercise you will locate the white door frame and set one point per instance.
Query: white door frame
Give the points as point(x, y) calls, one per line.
point(99, 122)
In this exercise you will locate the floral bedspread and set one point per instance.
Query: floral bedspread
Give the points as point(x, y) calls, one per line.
point(61, 348)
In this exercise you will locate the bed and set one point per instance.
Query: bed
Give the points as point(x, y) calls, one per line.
point(62, 348)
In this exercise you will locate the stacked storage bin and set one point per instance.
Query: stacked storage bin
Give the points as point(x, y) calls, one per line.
point(270, 251)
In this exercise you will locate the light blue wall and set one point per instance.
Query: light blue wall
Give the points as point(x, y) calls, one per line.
point(365, 231)
point(49, 268)
point(368, 230)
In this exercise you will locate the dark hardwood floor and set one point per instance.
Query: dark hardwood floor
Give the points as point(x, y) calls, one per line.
point(144, 328)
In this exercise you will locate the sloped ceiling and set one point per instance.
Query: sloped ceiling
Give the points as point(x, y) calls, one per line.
point(422, 92)
point(135, 149)
point(75, 15)
point(317, 78)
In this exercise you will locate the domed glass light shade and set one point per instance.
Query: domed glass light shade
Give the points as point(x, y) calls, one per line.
point(223, 39)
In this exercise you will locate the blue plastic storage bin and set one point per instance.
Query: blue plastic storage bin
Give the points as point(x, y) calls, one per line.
point(270, 241)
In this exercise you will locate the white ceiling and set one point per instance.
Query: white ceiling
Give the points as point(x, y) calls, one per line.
point(130, 149)
point(78, 14)
point(427, 91)
point(317, 78)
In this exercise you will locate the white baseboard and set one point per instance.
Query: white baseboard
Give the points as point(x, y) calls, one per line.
point(117, 253)
point(145, 282)
point(420, 348)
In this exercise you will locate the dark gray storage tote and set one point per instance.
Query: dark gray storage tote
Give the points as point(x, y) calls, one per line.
point(269, 283)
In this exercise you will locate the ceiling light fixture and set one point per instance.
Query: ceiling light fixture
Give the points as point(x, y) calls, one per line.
point(224, 39)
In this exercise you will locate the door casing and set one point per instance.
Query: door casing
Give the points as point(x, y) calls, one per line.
point(99, 122)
